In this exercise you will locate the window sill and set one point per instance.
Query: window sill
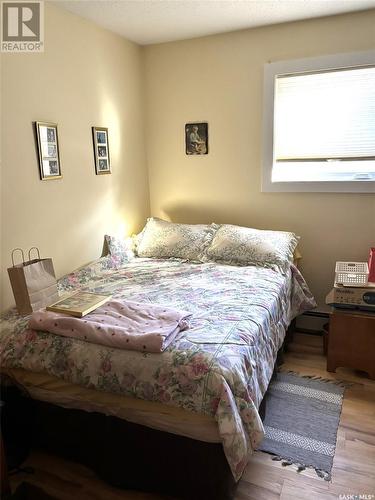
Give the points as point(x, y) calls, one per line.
point(318, 187)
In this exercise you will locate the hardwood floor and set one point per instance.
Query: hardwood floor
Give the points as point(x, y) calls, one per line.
point(353, 468)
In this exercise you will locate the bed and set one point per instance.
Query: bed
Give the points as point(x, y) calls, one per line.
point(197, 402)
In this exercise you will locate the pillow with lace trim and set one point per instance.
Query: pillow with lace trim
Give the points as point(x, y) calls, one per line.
point(162, 239)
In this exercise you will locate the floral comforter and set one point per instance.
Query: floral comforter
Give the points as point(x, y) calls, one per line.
point(220, 366)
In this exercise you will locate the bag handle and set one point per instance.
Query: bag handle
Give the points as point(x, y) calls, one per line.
point(34, 248)
point(15, 250)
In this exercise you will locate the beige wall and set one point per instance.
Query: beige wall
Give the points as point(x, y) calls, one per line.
point(86, 77)
point(219, 79)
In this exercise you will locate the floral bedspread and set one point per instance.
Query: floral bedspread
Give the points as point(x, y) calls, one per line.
point(220, 366)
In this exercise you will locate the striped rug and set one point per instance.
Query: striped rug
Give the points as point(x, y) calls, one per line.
point(301, 421)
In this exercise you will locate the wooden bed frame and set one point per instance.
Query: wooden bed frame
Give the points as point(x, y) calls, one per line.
point(123, 454)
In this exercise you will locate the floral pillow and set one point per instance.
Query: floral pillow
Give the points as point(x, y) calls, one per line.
point(120, 250)
point(246, 246)
point(137, 238)
point(166, 239)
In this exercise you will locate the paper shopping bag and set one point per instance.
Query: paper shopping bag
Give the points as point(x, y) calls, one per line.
point(33, 283)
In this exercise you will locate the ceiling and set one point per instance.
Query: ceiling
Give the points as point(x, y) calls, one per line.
point(154, 21)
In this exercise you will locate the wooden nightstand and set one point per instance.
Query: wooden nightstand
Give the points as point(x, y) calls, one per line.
point(351, 341)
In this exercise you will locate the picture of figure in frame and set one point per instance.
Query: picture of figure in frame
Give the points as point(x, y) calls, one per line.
point(51, 136)
point(101, 137)
point(196, 138)
point(103, 165)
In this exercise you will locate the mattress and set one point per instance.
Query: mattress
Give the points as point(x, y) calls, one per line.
point(219, 368)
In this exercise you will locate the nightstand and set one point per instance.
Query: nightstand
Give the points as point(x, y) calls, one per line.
point(351, 341)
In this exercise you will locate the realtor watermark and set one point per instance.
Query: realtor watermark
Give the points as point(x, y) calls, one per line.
point(359, 496)
point(22, 26)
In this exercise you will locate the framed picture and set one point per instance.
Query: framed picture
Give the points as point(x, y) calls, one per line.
point(196, 138)
point(101, 150)
point(48, 151)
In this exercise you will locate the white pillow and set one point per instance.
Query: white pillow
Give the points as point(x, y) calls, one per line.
point(246, 246)
point(167, 239)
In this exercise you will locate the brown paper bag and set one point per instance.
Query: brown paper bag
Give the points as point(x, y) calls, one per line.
point(33, 282)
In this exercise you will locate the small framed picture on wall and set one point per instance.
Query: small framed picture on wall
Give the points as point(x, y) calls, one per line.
point(196, 138)
point(101, 150)
point(48, 151)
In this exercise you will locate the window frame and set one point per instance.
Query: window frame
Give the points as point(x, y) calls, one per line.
point(323, 63)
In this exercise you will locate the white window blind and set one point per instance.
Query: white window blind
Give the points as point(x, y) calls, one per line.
point(324, 126)
point(326, 116)
point(319, 124)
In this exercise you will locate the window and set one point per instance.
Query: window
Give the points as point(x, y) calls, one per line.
point(319, 124)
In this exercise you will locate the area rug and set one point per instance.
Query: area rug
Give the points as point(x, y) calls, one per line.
point(301, 421)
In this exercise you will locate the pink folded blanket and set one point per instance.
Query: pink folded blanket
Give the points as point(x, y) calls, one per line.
point(122, 324)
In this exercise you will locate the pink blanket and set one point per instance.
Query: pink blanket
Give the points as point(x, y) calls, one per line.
point(122, 324)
